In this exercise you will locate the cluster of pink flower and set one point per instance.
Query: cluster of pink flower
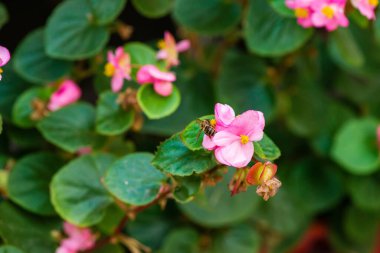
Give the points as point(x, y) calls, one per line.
point(233, 141)
point(328, 13)
point(79, 239)
point(119, 67)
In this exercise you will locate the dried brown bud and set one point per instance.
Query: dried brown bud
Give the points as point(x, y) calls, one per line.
point(39, 109)
point(268, 188)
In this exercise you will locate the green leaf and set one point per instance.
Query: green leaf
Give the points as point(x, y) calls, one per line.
point(216, 208)
point(73, 30)
point(355, 147)
point(4, 16)
point(140, 53)
point(187, 188)
point(22, 109)
point(1, 124)
point(32, 63)
point(156, 106)
point(241, 85)
point(344, 50)
point(153, 8)
point(111, 119)
point(368, 223)
point(266, 149)
point(29, 181)
point(192, 135)
point(9, 249)
point(11, 87)
point(106, 11)
point(114, 214)
point(133, 179)
point(71, 127)
point(77, 192)
point(267, 33)
point(364, 192)
point(241, 238)
point(30, 233)
point(184, 240)
point(211, 17)
point(175, 158)
point(281, 8)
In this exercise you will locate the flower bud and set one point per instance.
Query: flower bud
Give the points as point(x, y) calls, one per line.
point(261, 172)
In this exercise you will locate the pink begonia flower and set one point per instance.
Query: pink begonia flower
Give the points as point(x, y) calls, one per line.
point(162, 81)
point(79, 239)
point(118, 67)
point(302, 10)
point(329, 14)
point(169, 49)
point(366, 7)
point(5, 56)
point(234, 144)
point(224, 115)
point(67, 93)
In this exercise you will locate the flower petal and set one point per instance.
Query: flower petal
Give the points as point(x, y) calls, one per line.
point(236, 154)
point(224, 138)
point(224, 114)
point(247, 123)
point(208, 143)
point(117, 82)
point(183, 45)
point(4, 56)
point(163, 88)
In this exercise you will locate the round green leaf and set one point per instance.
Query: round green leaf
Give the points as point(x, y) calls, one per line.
point(175, 158)
point(77, 192)
point(207, 16)
point(266, 149)
point(216, 208)
point(187, 188)
point(134, 180)
point(22, 109)
point(111, 119)
point(156, 106)
point(72, 32)
point(9, 249)
point(355, 147)
point(30, 233)
point(364, 192)
point(184, 240)
point(140, 53)
point(192, 135)
point(29, 181)
point(106, 11)
point(267, 33)
point(241, 238)
point(240, 84)
point(32, 63)
point(153, 8)
point(71, 127)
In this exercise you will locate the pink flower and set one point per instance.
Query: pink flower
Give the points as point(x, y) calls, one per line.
point(234, 144)
point(118, 67)
point(302, 10)
point(366, 7)
point(162, 81)
point(67, 93)
point(169, 49)
point(224, 115)
point(79, 239)
point(5, 56)
point(329, 14)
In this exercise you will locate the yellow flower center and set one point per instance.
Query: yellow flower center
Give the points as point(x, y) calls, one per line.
point(374, 3)
point(328, 12)
point(301, 13)
point(109, 69)
point(161, 44)
point(1, 70)
point(244, 139)
point(213, 122)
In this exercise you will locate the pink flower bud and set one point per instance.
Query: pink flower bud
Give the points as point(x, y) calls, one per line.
point(67, 93)
point(260, 173)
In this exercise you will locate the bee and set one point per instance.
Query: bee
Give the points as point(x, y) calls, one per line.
point(207, 126)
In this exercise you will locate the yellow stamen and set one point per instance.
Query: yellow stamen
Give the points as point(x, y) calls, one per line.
point(374, 3)
point(1, 70)
point(109, 69)
point(301, 13)
point(161, 44)
point(244, 139)
point(328, 12)
point(213, 122)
